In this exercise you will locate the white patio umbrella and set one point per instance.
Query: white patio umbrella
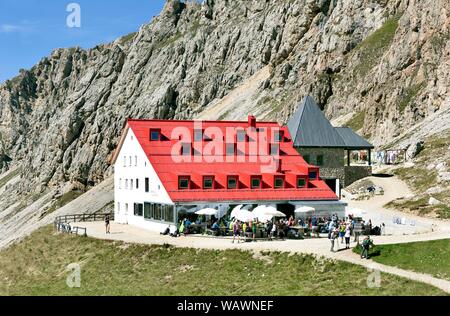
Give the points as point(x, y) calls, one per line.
point(305, 209)
point(235, 210)
point(207, 212)
point(245, 216)
point(272, 211)
point(354, 211)
point(267, 212)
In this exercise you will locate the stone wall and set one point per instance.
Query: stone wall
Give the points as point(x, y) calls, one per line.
point(355, 173)
point(333, 158)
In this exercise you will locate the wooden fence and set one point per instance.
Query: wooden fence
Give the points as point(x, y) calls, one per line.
point(62, 223)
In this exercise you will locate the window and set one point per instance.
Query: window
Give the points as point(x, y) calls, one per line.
point(320, 160)
point(154, 135)
point(274, 149)
point(131, 162)
point(183, 183)
point(118, 208)
point(126, 209)
point(241, 136)
point(157, 212)
point(120, 184)
point(126, 184)
point(137, 184)
point(230, 149)
point(149, 210)
point(208, 182)
point(256, 183)
point(279, 183)
point(198, 135)
point(135, 161)
point(186, 149)
point(124, 161)
point(232, 183)
point(307, 158)
point(131, 184)
point(138, 209)
point(301, 182)
point(147, 185)
point(313, 175)
point(278, 136)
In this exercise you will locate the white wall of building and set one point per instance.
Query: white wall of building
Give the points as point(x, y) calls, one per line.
point(132, 164)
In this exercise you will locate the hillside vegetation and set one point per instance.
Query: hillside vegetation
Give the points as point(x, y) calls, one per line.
point(37, 266)
point(428, 177)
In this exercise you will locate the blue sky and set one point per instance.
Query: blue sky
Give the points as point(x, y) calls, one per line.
point(31, 29)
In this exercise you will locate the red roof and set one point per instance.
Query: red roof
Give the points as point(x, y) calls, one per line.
point(292, 165)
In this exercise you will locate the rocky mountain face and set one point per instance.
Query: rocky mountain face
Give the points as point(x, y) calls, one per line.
point(382, 65)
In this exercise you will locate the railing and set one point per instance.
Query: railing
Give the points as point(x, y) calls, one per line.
point(67, 229)
point(62, 223)
point(82, 218)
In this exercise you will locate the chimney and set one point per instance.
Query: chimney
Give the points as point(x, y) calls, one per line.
point(252, 121)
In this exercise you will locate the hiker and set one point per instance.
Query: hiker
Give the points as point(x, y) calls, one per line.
point(273, 231)
point(254, 230)
point(365, 247)
point(342, 229)
point(236, 231)
point(348, 233)
point(333, 235)
point(107, 224)
point(173, 231)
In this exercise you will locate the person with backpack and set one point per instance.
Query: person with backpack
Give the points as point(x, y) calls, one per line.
point(332, 236)
point(348, 233)
point(107, 224)
point(367, 242)
point(237, 231)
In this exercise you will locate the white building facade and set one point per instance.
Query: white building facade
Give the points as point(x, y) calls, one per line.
point(139, 195)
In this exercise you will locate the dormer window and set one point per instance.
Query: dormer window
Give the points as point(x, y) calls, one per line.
point(274, 149)
point(279, 183)
point(241, 136)
point(256, 183)
point(155, 135)
point(278, 136)
point(183, 183)
point(301, 182)
point(232, 183)
point(313, 175)
point(198, 135)
point(230, 149)
point(185, 149)
point(208, 182)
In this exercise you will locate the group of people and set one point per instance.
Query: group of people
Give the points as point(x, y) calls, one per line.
point(342, 230)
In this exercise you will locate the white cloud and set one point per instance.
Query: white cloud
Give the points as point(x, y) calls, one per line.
point(9, 28)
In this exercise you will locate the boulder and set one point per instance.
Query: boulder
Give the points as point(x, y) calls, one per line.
point(433, 201)
point(444, 176)
point(414, 149)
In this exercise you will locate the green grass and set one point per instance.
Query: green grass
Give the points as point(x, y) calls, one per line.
point(37, 266)
point(357, 121)
point(420, 179)
point(4, 180)
point(410, 94)
point(374, 46)
point(63, 200)
point(127, 38)
point(430, 257)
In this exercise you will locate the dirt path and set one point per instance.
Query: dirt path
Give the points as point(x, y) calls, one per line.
point(318, 247)
point(394, 189)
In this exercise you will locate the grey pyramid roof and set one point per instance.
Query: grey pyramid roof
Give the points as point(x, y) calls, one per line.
point(309, 127)
point(351, 139)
